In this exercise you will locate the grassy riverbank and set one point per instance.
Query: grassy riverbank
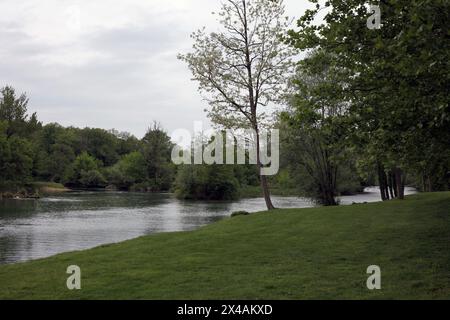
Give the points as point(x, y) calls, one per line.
point(30, 190)
point(318, 253)
point(49, 187)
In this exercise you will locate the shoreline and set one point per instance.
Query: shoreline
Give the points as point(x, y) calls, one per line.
point(34, 190)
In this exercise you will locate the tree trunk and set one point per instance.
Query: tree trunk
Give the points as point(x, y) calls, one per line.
point(329, 197)
point(399, 184)
point(391, 185)
point(403, 183)
point(330, 185)
point(253, 101)
point(266, 193)
point(386, 185)
point(382, 182)
point(394, 184)
point(262, 178)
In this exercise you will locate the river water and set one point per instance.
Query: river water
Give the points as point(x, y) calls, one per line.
point(32, 229)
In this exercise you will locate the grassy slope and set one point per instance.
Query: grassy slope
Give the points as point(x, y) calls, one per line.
point(288, 254)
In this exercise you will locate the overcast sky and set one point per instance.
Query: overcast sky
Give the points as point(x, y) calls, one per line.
point(107, 63)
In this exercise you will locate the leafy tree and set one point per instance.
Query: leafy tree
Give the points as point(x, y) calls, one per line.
point(315, 125)
point(157, 149)
point(398, 83)
point(92, 179)
point(85, 162)
point(133, 166)
point(242, 69)
point(212, 182)
point(13, 110)
point(85, 171)
point(48, 136)
point(58, 162)
point(5, 153)
point(54, 153)
point(100, 144)
point(127, 143)
point(206, 182)
point(131, 169)
point(17, 159)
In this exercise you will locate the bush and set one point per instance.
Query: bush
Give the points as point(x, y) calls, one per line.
point(204, 182)
point(84, 172)
point(239, 213)
point(92, 179)
point(117, 179)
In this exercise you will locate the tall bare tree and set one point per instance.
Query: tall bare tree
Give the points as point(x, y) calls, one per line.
point(242, 69)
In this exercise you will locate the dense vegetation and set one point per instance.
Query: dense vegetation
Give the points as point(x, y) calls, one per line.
point(379, 95)
point(31, 152)
point(287, 254)
point(363, 102)
point(79, 158)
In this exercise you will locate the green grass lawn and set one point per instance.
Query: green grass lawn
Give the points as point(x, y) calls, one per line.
point(319, 253)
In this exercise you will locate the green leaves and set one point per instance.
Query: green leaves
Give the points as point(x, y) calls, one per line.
point(397, 76)
point(242, 68)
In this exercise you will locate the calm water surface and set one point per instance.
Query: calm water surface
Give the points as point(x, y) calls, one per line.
point(31, 229)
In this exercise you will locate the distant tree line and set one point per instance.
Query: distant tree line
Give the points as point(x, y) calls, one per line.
point(96, 158)
point(79, 158)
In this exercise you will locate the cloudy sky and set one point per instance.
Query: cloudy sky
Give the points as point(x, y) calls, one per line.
point(106, 63)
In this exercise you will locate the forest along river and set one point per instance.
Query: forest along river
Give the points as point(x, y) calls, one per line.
point(32, 229)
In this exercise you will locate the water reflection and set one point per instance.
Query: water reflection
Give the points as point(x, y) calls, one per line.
point(31, 229)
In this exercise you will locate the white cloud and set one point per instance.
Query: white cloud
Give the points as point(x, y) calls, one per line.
point(106, 63)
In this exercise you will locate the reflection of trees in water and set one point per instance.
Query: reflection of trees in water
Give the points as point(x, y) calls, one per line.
point(185, 215)
point(9, 247)
point(11, 208)
point(116, 199)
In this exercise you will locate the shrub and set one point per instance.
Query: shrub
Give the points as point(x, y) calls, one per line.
point(204, 182)
point(92, 179)
point(239, 213)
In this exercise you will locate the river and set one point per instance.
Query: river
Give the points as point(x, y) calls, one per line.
point(32, 229)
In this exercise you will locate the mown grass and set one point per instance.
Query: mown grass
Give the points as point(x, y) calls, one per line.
point(317, 253)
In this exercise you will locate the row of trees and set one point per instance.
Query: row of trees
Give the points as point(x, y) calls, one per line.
point(96, 158)
point(83, 158)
